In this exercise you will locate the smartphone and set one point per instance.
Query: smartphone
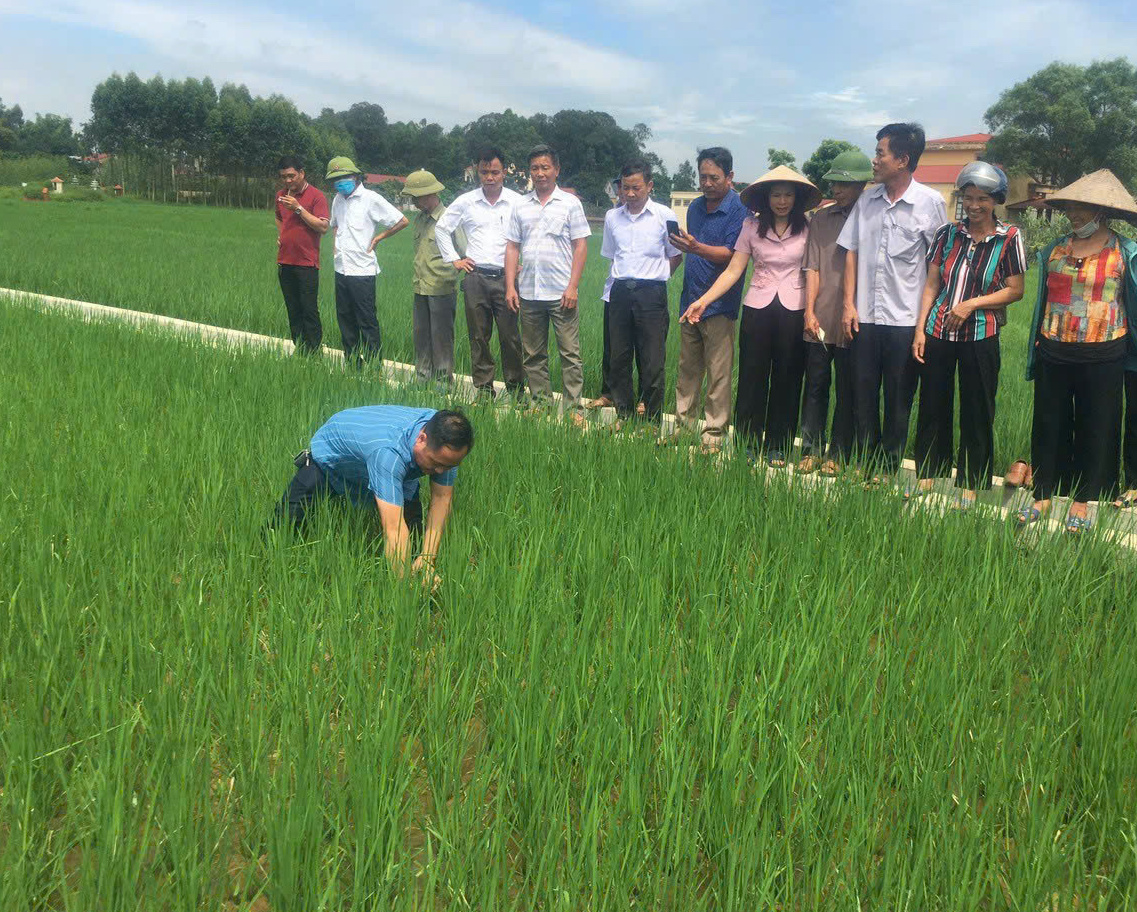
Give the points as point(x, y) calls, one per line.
point(672, 227)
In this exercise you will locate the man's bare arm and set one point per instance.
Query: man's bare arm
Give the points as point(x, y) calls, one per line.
point(396, 536)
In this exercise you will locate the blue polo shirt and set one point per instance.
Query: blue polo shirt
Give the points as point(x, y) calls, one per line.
point(715, 229)
point(372, 448)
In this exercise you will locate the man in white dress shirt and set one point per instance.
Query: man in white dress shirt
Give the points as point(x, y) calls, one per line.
point(549, 234)
point(886, 238)
point(483, 215)
point(636, 240)
point(357, 213)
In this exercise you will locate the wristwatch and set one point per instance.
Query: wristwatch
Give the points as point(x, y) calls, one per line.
point(298, 210)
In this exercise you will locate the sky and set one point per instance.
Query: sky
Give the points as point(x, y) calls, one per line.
point(748, 77)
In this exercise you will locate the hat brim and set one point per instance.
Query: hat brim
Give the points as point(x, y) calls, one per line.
point(332, 175)
point(1110, 211)
point(750, 195)
point(848, 177)
point(436, 187)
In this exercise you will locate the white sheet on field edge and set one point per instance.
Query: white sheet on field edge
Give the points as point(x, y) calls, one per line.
point(1122, 526)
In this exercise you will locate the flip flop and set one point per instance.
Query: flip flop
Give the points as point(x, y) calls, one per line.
point(1076, 525)
point(1126, 500)
point(1027, 516)
point(777, 460)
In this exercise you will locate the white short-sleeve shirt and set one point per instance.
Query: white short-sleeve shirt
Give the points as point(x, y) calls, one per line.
point(638, 245)
point(356, 219)
point(892, 241)
point(484, 223)
point(545, 234)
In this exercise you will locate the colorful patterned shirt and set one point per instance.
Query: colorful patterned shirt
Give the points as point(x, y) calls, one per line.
point(1084, 296)
point(970, 269)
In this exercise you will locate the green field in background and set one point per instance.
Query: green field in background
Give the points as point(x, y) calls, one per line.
point(218, 266)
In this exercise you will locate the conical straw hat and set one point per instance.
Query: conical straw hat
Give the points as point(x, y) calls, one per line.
point(1101, 189)
point(782, 173)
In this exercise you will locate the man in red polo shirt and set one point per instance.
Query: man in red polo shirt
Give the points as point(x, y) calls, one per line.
point(301, 217)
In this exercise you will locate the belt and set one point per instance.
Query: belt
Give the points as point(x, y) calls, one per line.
point(633, 284)
point(493, 272)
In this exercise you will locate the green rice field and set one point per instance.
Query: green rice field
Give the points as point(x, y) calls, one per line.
point(645, 682)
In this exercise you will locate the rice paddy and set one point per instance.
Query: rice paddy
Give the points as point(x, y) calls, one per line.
point(645, 682)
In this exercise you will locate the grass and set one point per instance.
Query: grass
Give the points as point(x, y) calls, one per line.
point(218, 266)
point(645, 682)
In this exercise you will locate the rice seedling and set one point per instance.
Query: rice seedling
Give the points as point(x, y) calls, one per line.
point(646, 682)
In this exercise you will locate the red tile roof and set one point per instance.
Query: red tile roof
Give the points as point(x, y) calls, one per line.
point(961, 140)
point(379, 178)
point(937, 174)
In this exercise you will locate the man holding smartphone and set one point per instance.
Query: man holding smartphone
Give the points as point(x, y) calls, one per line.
point(636, 240)
point(301, 219)
point(706, 348)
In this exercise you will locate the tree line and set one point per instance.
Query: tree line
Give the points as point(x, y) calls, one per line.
point(186, 139)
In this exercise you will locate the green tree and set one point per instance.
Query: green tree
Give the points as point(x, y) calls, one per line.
point(513, 134)
point(48, 134)
point(781, 157)
point(685, 177)
point(367, 125)
point(822, 158)
point(1067, 120)
point(661, 180)
point(11, 120)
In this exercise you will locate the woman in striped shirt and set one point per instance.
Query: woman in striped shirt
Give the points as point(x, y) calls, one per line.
point(975, 269)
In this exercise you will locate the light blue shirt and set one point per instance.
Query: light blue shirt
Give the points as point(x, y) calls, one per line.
point(891, 241)
point(372, 448)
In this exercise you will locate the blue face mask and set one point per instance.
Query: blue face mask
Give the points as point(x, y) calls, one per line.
point(345, 186)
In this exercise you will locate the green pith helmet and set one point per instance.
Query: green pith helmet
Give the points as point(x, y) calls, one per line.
point(341, 166)
point(422, 183)
point(852, 167)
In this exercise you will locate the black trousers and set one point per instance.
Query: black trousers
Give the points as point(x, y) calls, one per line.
point(310, 483)
point(355, 311)
point(882, 357)
point(606, 364)
point(821, 362)
point(638, 321)
point(300, 286)
point(771, 366)
point(978, 373)
point(1075, 441)
point(1130, 455)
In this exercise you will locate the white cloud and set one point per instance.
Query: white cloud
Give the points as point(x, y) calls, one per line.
point(491, 61)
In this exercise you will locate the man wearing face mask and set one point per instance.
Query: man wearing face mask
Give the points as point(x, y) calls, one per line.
point(357, 215)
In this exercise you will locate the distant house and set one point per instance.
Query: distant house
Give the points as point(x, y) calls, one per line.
point(100, 158)
point(943, 159)
point(680, 200)
point(381, 178)
point(56, 184)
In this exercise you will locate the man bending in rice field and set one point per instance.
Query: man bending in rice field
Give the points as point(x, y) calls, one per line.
point(378, 453)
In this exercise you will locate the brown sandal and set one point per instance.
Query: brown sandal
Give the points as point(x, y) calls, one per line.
point(1019, 475)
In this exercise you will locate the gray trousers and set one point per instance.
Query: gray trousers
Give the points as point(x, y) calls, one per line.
point(485, 306)
point(535, 319)
point(434, 335)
